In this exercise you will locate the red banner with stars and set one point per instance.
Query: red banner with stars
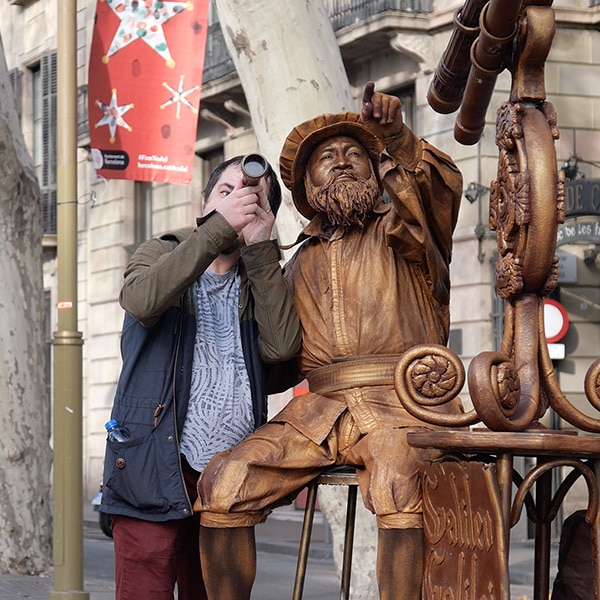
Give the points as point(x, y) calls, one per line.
point(145, 75)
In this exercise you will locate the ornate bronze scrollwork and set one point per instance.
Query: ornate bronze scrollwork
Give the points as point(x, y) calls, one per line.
point(429, 377)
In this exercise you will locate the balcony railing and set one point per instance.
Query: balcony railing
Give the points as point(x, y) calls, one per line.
point(348, 12)
point(218, 63)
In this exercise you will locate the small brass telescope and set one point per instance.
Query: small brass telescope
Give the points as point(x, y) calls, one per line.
point(254, 167)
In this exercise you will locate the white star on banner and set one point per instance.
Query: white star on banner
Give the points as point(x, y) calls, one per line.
point(179, 97)
point(144, 20)
point(113, 115)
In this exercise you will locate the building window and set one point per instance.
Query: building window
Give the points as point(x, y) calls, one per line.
point(83, 124)
point(14, 77)
point(36, 98)
point(44, 135)
point(48, 341)
point(497, 314)
point(142, 212)
point(211, 160)
point(407, 97)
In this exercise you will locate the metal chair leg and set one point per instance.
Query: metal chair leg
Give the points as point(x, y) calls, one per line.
point(309, 514)
point(335, 476)
point(348, 542)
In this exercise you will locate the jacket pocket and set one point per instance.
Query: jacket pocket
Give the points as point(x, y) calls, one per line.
point(133, 475)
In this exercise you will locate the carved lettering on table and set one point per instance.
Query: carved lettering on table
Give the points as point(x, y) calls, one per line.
point(465, 547)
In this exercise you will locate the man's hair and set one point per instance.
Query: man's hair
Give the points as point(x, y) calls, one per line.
point(274, 195)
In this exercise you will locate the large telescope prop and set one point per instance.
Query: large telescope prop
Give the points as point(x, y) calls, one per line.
point(511, 390)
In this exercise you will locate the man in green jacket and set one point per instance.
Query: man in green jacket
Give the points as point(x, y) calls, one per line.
point(207, 312)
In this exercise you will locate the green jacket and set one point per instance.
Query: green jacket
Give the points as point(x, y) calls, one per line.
point(142, 477)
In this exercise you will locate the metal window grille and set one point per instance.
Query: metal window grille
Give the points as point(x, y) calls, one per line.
point(497, 314)
point(16, 84)
point(48, 341)
point(83, 125)
point(48, 175)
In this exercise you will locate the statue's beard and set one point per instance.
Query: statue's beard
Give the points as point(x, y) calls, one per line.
point(346, 202)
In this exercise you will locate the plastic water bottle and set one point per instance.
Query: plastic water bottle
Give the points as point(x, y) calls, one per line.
point(115, 433)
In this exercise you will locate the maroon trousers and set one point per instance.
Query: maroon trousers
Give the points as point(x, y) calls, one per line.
point(150, 558)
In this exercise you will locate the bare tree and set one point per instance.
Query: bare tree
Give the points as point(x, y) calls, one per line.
point(25, 534)
point(291, 69)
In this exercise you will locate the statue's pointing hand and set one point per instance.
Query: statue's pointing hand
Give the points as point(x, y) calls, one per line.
point(381, 113)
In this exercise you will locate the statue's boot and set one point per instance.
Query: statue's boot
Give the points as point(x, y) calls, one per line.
point(228, 558)
point(400, 564)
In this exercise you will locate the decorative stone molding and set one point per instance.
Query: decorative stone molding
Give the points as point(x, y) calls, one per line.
point(417, 46)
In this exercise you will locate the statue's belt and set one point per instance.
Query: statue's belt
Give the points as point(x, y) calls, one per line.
point(354, 371)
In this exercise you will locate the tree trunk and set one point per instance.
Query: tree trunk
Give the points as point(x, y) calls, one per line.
point(291, 69)
point(332, 501)
point(25, 534)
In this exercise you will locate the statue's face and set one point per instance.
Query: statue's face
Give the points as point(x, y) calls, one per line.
point(340, 182)
point(336, 158)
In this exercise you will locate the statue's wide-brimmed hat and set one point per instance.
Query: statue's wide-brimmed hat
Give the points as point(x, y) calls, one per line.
point(303, 139)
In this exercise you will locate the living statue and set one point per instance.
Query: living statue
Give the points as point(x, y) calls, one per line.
point(370, 280)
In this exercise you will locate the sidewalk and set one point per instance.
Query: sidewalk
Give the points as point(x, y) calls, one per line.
point(278, 538)
point(277, 543)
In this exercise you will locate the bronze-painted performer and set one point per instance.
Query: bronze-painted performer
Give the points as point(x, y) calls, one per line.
point(370, 281)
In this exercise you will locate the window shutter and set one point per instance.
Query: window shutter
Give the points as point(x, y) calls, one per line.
point(49, 211)
point(48, 69)
point(14, 77)
point(83, 126)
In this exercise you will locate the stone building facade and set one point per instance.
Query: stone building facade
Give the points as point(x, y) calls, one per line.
point(396, 43)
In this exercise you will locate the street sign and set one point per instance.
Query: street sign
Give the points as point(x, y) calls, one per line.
point(556, 320)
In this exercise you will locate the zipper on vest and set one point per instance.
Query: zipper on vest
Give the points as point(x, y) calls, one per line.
point(179, 331)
